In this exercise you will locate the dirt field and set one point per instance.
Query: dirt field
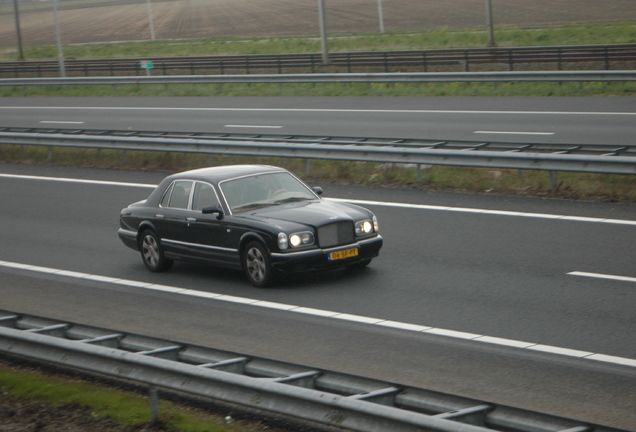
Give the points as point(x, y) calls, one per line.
point(214, 18)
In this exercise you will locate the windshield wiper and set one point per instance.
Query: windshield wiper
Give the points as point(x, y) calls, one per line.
point(253, 205)
point(291, 199)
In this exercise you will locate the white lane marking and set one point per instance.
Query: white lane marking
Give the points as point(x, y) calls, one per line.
point(603, 276)
point(253, 126)
point(72, 180)
point(514, 133)
point(336, 110)
point(61, 122)
point(485, 211)
point(361, 202)
point(331, 314)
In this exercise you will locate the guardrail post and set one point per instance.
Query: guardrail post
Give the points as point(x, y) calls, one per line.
point(49, 156)
point(279, 66)
point(466, 66)
point(154, 405)
point(424, 61)
point(554, 188)
point(307, 168)
point(510, 62)
point(606, 59)
point(125, 157)
point(222, 69)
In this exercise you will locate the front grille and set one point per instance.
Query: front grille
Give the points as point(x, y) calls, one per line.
point(336, 234)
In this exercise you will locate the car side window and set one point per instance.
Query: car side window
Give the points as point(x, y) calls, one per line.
point(204, 196)
point(180, 195)
point(166, 196)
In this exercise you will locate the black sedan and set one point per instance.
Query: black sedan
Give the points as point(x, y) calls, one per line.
point(257, 218)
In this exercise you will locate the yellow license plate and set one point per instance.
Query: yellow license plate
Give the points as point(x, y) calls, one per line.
point(347, 253)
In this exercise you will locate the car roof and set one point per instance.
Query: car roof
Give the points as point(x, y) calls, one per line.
point(220, 173)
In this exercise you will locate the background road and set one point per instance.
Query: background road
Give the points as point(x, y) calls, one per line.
point(484, 273)
point(580, 120)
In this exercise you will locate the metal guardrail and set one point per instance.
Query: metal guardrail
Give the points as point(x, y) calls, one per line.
point(550, 157)
point(415, 77)
point(463, 59)
point(350, 402)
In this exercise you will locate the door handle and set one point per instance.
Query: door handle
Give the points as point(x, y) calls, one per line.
point(191, 220)
point(159, 216)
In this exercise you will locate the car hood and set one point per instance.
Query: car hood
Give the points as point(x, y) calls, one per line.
point(314, 213)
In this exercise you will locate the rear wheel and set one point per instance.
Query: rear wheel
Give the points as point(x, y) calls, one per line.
point(152, 252)
point(257, 266)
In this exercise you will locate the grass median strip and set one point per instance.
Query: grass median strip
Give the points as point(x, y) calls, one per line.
point(29, 397)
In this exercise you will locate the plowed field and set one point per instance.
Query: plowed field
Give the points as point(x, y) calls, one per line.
point(213, 18)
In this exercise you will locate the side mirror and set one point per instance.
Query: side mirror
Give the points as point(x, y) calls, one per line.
point(317, 190)
point(211, 210)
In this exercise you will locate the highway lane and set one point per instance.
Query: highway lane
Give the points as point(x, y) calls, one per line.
point(490, 274)
point(553, 120)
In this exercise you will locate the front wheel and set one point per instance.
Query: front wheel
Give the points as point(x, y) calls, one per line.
point(152, 252)
point(256, 264)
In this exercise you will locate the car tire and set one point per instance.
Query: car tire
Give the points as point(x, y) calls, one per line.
point(152, 252)
point(257, 266)
point(359, 265)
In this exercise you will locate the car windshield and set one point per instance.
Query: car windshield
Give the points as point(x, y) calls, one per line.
point(262, 190)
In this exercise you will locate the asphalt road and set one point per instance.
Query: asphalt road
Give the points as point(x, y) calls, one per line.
point(580, 120)
point(489, 273)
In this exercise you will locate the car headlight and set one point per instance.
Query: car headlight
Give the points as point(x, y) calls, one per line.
point(282, 241)
point(365, 227)
point(376, 227)
point(301, 239)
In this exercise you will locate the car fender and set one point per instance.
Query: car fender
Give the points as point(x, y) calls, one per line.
point(144, 225)
point(252, 235)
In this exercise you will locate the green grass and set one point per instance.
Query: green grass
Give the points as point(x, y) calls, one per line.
point(575, 34)
point(354, 89)
point(124, 407)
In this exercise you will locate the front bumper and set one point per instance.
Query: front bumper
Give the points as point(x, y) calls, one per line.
point(315, 259)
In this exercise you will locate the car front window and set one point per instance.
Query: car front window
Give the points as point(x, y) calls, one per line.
point(204, 196)
point(264, 190)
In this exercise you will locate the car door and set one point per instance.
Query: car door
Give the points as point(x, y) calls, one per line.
point(171, 218)
point(206, 231)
